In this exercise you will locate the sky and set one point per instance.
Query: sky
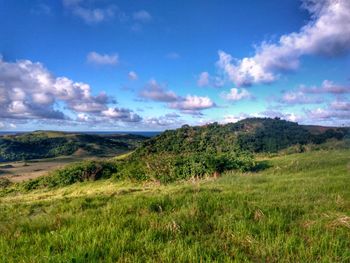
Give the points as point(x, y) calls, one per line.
point(152, 65)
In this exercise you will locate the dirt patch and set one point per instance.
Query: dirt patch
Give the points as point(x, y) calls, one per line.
point(22, 171)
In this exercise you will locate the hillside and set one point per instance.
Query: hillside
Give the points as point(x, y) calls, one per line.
point(210, 150)
point(188, 195)
point(252, 134)
point(48, 144)
point(298, 210)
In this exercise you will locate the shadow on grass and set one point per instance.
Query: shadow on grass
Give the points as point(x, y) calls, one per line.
point(261, 165)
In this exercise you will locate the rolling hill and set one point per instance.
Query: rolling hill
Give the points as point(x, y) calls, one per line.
point(48, 144)
point(253, 134)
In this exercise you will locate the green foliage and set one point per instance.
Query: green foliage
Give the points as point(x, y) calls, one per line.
point(80, 172)
point(253, 134)
point(4, 183)
point(38, 145)
point(171, 167)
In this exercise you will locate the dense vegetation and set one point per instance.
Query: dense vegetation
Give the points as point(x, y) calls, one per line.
point(38, 145)
point(79, 172)
point(212, 149)
point(253, 134)
point(298, 210)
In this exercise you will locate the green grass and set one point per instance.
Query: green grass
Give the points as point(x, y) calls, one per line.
point(298, 210)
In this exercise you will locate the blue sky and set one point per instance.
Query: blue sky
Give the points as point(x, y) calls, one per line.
point(155, 65)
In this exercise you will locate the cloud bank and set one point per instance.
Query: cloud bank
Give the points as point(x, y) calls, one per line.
point(29, 91)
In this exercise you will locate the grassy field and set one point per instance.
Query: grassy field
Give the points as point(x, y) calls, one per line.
point(298, 210)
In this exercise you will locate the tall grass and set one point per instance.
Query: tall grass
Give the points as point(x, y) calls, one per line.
point(298, 210)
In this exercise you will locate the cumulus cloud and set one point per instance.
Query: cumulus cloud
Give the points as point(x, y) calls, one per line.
point(203, 79)
point(236, 94)
point(90, 14)
point(341, 106)
point(102, 59)
point(313, 94)
point(29, 91)
point(327, 33)
point(192, 104)
point(132, 75)
point(299, 97)
point(157, 92)
point(335, 113)
point(168, 120)
point(121, 114)
point(142, 16)
point(326, 87)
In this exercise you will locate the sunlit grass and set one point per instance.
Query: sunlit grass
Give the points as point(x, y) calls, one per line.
point(298, 210)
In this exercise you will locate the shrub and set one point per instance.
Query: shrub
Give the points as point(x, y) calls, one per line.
point(4, 183)
point(171, 167)
point(84, 171)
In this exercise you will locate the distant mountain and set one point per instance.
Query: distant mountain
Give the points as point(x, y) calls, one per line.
point(47, 144)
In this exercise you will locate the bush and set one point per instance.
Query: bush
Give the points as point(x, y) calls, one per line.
point(4, 183)
point(80, 172)
point(171, 167)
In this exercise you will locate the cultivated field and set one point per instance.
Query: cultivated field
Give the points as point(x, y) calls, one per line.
point(298, 210)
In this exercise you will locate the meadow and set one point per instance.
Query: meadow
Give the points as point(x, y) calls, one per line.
point(297, 210)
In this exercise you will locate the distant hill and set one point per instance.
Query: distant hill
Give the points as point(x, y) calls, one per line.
point(47, 144)
point(252, 134)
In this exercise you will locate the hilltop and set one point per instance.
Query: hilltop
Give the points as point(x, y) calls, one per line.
point(209, 150)
point(252, 134)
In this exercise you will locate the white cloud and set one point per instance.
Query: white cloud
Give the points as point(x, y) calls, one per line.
point(299, 97)
point(326, 87)
point(142, 16)
point(327, 33)
point(203, 79)
point(341, 105)
point(102, 59)
point(132, 75)
point(90, 14)
point(192, 104)
point(83, 117)
point(168, 120)
point(124, 115)
point(29, 91)
point(206, 80)
point(157, 92)
point(236, 94)
point(335, 113)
